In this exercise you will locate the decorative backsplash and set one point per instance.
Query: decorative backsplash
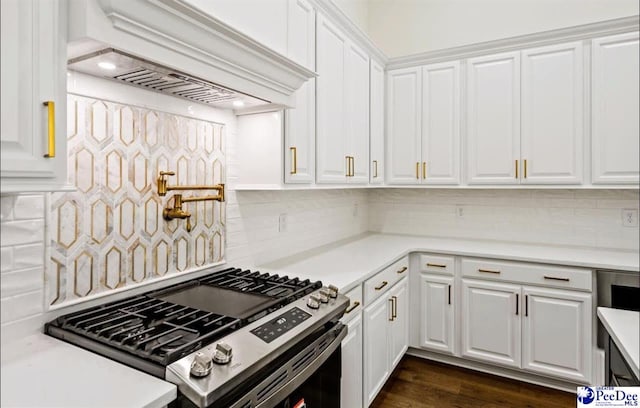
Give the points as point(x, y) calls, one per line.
point(110, 233)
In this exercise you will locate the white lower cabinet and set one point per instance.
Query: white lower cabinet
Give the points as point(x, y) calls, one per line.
point(351, 383)
point(399, 325)
point(437, 313)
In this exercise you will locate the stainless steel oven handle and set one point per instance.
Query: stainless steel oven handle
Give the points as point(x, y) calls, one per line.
point(302, 376)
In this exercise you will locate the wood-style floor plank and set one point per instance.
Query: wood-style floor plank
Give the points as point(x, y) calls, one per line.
point(419, 383)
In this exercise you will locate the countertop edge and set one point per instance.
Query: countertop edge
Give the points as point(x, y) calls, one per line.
point(603, 313)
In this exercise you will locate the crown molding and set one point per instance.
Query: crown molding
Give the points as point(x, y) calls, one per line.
point(576, 33)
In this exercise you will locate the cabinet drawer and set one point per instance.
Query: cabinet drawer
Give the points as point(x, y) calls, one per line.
point(385, 279)
point(437, 264)
point(355, 303)
point(544, 275)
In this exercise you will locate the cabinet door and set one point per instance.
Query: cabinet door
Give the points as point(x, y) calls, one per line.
point(403, 126)
point(357, 100)
point(557, 333)
point(399, 326)
point(331, 160)
point(614, 116)
point(300, 122)
point(552, 119)
point(493, 118)
point(351, 381)
point(376, 131)
point(437, 313)
point(32, 73)
point(441, 123)
point(376, 347)
point(491, 322)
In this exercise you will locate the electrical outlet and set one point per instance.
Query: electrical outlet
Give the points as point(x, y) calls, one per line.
point(282, 222)
point(629, 218)
point(355, 209)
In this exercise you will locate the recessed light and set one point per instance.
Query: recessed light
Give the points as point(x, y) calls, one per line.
point(238, 104)
point(107, 65)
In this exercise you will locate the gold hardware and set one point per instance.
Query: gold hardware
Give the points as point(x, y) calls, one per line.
point(516, 168)
point(557, 279)
point(417, 170)
point(392, 317)
point(348, 165)
point(488, 271)
point(394, 310)
point(353, 166)
point(382, 285)
point(51, 127)
point(517, 304)
point(353, 306)
point(177, 211)
point(375, 169)
point(432, 265)
point(424, 170)
point(525, 168)
point(404, 268)
point(294, 156)
point(163, 188)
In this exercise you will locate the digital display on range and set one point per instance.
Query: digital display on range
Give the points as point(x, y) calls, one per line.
point(270, 331)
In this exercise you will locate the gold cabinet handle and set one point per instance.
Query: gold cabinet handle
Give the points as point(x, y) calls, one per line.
point(392, 316)
point(352, 307)
point(401, 270)
point(51, 127)
point(348, 165)
point(382, 285)
point(556, 279)
point(353, 166)
point(516, 168)
point(424, 170)
point(432, 265)
point(294, 158)
point(488, 271)
point(375, 169)
point(394, 310)
point(418, 170)
point(525, 168)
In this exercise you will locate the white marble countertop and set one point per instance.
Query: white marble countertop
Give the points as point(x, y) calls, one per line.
point(624, 328)
point(348, 263)
point(41, 371)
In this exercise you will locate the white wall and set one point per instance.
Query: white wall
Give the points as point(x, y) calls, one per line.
point(357, 10)
point(588, 218)
point(402, 27)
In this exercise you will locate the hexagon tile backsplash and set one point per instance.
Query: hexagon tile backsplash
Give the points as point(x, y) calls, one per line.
point(110, 232)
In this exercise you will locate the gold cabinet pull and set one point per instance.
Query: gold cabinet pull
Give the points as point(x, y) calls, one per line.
point(424, 170)
point(294, 158)
point(488, 271)
point(353, 166)
point(348, 166)
point(352, 307)
point(432, 265)
point(375, 169)
point(556, 279)
point(401, 270)
point(394, 310)
point(382, 285)
point(525, 168)
point(51, 129)
point(418, 170)
point(516, 168)
point(392, 316)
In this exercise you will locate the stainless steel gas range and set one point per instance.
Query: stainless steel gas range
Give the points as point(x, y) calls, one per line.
point(233, 338)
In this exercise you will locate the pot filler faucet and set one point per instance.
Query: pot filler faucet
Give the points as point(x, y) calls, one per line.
point(170, 213)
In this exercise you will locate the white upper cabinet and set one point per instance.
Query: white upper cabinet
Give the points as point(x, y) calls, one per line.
point(614, 105)
point(552, 115)
point(441, 123)
point(33, 135)
point(403, 126)
point(357, 113)
point(300, 122)
point(376, 121)
point(493, 118)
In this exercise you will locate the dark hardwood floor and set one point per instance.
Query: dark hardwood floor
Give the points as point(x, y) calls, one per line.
point(418, 383)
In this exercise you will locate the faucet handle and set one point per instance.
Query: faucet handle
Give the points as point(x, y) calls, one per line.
point(162, 182)
point(188, 226)
point(167, 173)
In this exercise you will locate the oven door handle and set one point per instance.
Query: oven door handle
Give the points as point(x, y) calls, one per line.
point(307, 372)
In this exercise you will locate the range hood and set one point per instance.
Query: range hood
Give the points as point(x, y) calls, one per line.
point(125, 68)
point(178, 49)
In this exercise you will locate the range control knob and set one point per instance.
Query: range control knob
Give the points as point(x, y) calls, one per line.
point(323, 294)
point(223, 353)
point(313, 302)
point(333, 291)
point(201, 365)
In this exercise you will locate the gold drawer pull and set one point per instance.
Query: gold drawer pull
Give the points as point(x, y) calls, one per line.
point(424, 170)
point(516, 168)
point(353, 306)
point(417, 170)
point(404, 268)
point(488, 271)
point(525, 168)
point(382, 285)
point(294, 157)
point(51, 129)
point(432, 265)
point(556, 279)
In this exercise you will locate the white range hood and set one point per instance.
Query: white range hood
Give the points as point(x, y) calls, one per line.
point(174, 41)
